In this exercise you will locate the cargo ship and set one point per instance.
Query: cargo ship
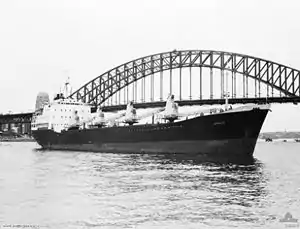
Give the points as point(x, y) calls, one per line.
point(68, 124)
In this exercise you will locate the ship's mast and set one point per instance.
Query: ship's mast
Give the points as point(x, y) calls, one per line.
point(67, 88)
point(171, 109)
point(130, 116)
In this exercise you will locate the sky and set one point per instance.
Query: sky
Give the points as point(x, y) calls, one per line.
point(41, 42)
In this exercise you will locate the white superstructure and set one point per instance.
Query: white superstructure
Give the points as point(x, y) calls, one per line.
point(62, 113)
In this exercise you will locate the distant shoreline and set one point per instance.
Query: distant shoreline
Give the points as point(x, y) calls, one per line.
point(280, 135)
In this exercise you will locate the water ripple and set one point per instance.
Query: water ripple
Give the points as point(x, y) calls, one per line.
point(93, 190)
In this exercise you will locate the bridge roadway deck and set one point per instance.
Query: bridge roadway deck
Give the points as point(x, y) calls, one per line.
point(16, 118)
point(294, 100)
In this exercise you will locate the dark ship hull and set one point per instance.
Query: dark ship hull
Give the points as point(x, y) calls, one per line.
point(228, 133)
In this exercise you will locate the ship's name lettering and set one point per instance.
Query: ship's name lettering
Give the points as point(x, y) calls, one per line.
point(219, 123)
point(153, 128)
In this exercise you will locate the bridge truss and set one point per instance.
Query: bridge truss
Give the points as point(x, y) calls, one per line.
point(141, 79)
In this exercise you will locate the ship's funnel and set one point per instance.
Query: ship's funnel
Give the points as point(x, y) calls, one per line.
point(41, 100)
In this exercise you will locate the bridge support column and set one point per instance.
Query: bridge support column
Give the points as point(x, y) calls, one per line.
point(200, 82)
point(161, 84)
point(222, 84)
point(211, 83)
point(180, 81)
point(20, 128)
point(27, 128)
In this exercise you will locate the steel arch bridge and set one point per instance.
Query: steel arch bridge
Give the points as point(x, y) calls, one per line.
point(275, 77)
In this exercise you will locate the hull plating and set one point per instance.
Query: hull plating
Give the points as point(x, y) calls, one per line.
point(230, 146)
point(223, 133)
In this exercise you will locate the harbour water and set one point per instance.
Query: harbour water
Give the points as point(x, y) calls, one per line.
point(53, 189)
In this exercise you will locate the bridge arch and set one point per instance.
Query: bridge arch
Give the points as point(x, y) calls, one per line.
point(280, 77)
